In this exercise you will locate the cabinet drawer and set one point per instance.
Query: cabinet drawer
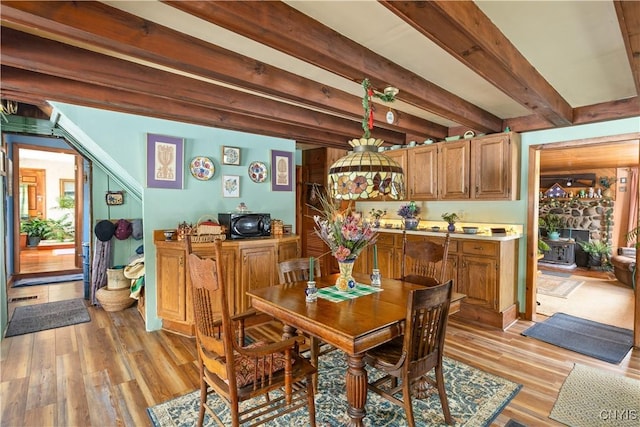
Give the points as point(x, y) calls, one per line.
point(386, 239)
point(476, 247)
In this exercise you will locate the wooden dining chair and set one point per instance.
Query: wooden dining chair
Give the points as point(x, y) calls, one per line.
point(410, 357)
point(239, 372)
point(424, 262)
point(295, 270)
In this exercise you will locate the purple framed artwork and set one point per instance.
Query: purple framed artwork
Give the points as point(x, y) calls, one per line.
point(281, 170)
point(165, 161)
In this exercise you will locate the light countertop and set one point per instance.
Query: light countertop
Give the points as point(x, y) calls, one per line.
point(481, 235)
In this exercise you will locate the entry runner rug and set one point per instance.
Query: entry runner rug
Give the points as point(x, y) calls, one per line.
point(475, 399)
point(594, 397)
point(604, 342)
point(556, 286)
point(47, 280)
point(51, 315)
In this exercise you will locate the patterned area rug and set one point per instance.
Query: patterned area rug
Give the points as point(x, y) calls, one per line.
point(475, 399)
point(594, 397)
point(556, 286)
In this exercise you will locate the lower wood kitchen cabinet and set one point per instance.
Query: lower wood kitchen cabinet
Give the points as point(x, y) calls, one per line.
point(484, 270)
point(248, 264)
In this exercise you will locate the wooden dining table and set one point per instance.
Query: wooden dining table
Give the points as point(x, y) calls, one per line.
point(353, 326)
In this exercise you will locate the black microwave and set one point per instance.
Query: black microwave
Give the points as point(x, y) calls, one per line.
point(246, 225)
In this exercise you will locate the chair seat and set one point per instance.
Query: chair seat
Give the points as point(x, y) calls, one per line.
point(247, 371)
point(300, 370)
point(385, 355)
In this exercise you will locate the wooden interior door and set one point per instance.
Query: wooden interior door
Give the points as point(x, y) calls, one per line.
point(33, 180)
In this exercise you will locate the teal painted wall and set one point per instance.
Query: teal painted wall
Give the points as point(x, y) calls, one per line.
point(123, 137)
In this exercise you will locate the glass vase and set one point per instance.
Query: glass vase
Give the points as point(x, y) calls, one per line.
point(345, 279)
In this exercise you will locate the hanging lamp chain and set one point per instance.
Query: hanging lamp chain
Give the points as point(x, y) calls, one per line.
point(389, 95)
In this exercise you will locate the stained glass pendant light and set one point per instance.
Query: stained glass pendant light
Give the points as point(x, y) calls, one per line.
point(366, 173)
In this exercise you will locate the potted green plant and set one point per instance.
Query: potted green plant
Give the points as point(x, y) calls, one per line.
point(451, 219)
point(552, 223)
point(36, 230)
point(596, 250)
point(375, 215)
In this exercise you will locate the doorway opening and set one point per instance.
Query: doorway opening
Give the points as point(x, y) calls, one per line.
point(47, 211)
point(599, 297)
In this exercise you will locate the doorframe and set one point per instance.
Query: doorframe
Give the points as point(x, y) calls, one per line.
point(79, 202)
point(532, 222)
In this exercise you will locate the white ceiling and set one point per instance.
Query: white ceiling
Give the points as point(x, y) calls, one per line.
point(575, 45)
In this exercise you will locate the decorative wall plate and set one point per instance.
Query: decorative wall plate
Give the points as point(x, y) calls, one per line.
point(202, 168)
point(230, 155)
point(258, 172)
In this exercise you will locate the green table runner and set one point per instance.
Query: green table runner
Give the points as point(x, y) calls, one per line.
point(334, 295)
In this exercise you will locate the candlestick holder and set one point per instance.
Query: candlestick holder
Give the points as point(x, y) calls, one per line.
point(376, 277)
point(311, 292)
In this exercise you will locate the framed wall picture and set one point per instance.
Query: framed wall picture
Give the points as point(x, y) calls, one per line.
point(114, 198)
point(230, 155)
point(281, 170)
point(165, 161)
point(230, 186)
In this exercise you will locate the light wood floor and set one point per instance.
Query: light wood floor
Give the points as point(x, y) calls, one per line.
point(39, 260)
point(107, 372)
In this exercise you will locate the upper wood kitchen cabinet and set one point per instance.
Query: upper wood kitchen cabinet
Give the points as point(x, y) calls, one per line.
point(494, 167)
point(421, 174)
point(453, 170)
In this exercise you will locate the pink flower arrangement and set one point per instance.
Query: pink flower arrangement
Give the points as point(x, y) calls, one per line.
point(342, 231)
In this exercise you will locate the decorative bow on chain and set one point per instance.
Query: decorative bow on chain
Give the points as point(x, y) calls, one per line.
point(389, 95)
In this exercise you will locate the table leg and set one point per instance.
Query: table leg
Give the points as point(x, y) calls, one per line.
point(356, 382)
point(288, 332)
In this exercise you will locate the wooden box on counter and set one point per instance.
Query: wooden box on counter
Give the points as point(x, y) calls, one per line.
point(248, 264)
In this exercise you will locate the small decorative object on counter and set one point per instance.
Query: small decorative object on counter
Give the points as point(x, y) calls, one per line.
point(375, 215)
point(451, 219)
point(409, 213)
point(184, 230)
point(311, 292)
point(168, 234)
point(242, 207)
point(277, 228)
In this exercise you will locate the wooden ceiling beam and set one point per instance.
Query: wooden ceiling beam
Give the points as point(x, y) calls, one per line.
point(21, 50)
point(282, 27)
point(628, 13)
point(16, 81)
point(96, 25)
point(460, 28)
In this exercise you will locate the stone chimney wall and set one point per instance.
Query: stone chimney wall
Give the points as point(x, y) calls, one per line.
point(582, 214)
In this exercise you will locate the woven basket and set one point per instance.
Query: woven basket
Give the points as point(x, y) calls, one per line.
point(114, 300)
point(206, 233)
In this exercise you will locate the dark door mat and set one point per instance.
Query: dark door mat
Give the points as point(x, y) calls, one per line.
point(47, 280)
point(594, 339)
point(34, 318)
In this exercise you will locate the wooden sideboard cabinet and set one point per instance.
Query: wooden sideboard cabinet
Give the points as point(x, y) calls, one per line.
point(248, 264)
point(484, 270)
point(487, 275)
